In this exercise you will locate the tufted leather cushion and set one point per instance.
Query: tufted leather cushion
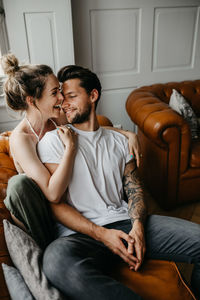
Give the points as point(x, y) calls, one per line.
point(189, 89)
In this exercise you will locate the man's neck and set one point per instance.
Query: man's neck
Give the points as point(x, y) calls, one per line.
point(90, 125)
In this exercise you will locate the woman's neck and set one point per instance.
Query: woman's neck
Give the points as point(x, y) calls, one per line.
point(36, 123)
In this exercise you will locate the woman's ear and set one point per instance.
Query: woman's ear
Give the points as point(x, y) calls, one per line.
point(30, 100)
point(94, 95)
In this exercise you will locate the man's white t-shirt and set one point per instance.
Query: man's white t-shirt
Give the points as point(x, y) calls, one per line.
point(95, 188)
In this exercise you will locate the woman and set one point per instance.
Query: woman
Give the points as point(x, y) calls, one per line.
point(35, 90)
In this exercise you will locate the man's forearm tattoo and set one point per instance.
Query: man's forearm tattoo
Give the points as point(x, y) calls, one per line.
point(135, 193)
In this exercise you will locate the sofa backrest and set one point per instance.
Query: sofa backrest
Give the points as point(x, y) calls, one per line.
point(189, 89)
point(7, 167)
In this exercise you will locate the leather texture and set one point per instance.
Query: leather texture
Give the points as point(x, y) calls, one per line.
point(170, 164)
point(155, 281)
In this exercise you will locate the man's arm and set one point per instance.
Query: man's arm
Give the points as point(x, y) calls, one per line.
point(136, 194)
point(73, 219)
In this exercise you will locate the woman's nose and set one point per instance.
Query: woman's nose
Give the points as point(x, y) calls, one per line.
point(60, 96)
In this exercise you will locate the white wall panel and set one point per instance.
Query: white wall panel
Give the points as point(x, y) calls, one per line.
point(8, 118)
point(107, 37)
point(175, 34)
point(45, 24)
point(113, 103)
point(38, 32)
point(131, 43)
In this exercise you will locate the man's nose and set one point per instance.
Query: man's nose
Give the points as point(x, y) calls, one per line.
point(65, 103)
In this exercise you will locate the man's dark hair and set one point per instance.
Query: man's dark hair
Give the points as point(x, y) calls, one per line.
point(88, 79)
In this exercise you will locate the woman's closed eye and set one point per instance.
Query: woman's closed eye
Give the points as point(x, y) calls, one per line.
point(55, 92)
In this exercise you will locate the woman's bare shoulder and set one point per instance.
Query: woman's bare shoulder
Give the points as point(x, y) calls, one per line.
point(19, 136)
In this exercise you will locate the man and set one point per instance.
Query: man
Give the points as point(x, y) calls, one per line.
point(108, 229)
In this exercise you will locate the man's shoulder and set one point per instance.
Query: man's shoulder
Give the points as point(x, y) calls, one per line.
point(116, 140)
point(112, 134)
point(50, 137)
point(50, 148)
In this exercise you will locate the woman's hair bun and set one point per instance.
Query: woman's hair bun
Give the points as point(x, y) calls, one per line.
point(9, 64)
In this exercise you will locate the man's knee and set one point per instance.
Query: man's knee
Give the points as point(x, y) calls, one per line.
point(52, 261)
point(60, 264)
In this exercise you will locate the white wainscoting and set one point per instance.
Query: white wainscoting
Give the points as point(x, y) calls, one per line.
point(130, 43)
point(39, 32)
point(8, 118)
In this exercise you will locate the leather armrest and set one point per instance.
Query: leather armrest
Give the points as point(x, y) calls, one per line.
point(160, 123)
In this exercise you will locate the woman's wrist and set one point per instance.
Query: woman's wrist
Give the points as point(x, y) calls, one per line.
point(70, 152)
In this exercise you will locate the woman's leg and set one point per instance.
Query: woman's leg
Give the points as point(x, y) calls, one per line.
point(18, 223)
point(29, 206)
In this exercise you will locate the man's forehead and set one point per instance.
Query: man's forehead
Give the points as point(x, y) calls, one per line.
point(73, 81)
point(71, 84)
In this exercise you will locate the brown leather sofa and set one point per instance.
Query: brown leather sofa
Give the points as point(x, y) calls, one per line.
point(156, 280)
point(170, 164)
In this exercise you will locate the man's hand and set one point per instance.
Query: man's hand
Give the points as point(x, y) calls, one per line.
point(138, 247)
point(136, 195)
point(113, 239)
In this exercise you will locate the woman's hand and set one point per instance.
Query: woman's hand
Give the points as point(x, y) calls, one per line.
point(134, 145)
point(68, 137)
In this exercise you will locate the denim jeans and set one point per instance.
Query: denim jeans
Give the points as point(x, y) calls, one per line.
point(78, 265)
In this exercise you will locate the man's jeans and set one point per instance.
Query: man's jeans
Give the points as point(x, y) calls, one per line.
point(77, 264)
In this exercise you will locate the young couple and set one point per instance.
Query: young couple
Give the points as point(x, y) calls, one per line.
point(85, 173)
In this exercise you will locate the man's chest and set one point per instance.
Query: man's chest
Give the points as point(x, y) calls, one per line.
point(98, 159)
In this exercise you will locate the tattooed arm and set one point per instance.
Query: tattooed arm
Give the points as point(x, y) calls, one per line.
point(135, 193)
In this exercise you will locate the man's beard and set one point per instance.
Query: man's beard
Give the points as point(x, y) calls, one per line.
point(81, 117)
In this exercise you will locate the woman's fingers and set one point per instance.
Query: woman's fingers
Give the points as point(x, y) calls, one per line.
point(67, 135)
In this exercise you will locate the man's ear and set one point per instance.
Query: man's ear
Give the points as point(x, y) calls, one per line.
point(94, 95)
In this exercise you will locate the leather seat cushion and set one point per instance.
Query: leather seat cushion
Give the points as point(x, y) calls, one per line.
point(156, 280)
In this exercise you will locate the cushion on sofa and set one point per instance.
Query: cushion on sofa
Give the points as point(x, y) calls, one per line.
point(179, 104)
point(15, 283)
point(26, 256)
